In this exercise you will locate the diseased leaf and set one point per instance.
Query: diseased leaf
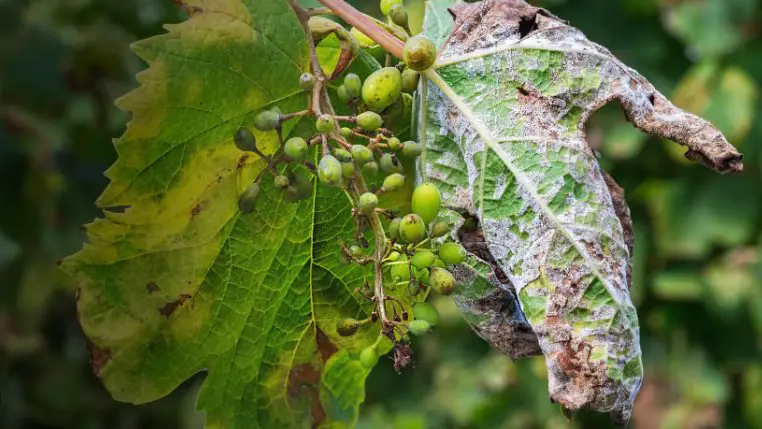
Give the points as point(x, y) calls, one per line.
point(503, 125)
point(179, 280)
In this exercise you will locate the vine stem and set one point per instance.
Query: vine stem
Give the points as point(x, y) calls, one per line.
point(366, 25)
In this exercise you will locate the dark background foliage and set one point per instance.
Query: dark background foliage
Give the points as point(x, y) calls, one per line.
point(698, 276)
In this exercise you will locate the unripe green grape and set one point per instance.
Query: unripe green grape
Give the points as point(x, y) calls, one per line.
point(394, 143)
point(412, 149)
point(267, 120)
point(296, 149)
point(244, 140)
point(324, 123)
point(361, 154)
point(423, 259)
point(281, 182)
point(347, 170)
point(438, 263)
point(343, 155)
point(329, 170)
point(393, 182)
point(382, 88)
point(248, 200)
point(427, 312)
point(412, 228)
point(419, 327)
point(369, 357)
point(410, 80)
point(346, 132)
point(369, 121)
point(307, 81)
point(398, 14)
point(394, 255)
point(370, 168)
point(426, 201)
point(362, 39)
point(343, 94)
point(423, 275)
point(353, 85)
point(386, 5)
point(400, 272)
point(442, 281)
point(440, 229)
point(452, 253)
point(390, 163)
point(419, 53)
point(356, 251)
point(367, 202)
point(347, 327)
point(394, 229)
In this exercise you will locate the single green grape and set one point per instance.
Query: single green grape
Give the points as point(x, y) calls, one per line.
point(369, 121)
point(386, 5)
point(347, 170)
point(427, 312)
point(412, 228)
point(393, 182)
point(368, 202)
point(412, 149)
point(267, 120)
point(324, 123)
point(307, 81)
point(410, 79)
point(394, 255)
point(423, 259)
point(394, 143)
point(419, 327)
point(394, 230)
point(382, 88)
point(419, 53)
point(343, 155)
point(329, 170)
point(390, 164)
point(440, 229)
point(452, 253)
point(426, 201)
point(356, 251)
point(296, 149)
point(442, 281)
point(398, 14)
point(400, 271)
point(369, 357)
point(346, 132)
point(248, 200)
point(244, 140)
point(361, 154)
point(353, 85)
point(343, 95)
point(370, 168)
point(281, 182)
point(347, 327)
point(438, 263)
point(423, 276)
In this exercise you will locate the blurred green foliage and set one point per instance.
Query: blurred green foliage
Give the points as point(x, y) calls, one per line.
point(697, 277)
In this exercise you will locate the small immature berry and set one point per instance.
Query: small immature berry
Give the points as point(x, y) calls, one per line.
point(370, 168)
point(426, 201)
point(440, 229)
point(353, 85)
point(390, 163)
point(427, 312)
point(329, 170)
point(452, 253)
point(412, 149)
point(394, 255)
point(296, 149)
point(347, 327)
point(347, 170)
point(423, 275)
point(324, 123)
point(343, 155)
point(410, 79)
point(367, 202)
point(442, 281)
point(361, 154)
point(423, 259)
point(369, 357)
point(356, 251)
point(398, 14)
point(438, 263)
point(362, 39)
point(281, 182)
point(248, 199)
point(412, 228)
point(244, 140)
point(400, 272)
point(393, 182)
point(369, 121)
point(307, 81)
point(419, 53)
point(346, 132)
point(419, 327)
point(343, 95)
point(386, 5)
point(394, 229)
point(394, 143)
point(267, 120)
point(382, 88)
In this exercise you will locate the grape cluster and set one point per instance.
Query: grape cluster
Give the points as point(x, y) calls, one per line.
point(411, 252)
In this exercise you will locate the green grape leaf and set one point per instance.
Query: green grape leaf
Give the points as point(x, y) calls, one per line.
point(176, 280)
point(437, 22)
point(503, 122)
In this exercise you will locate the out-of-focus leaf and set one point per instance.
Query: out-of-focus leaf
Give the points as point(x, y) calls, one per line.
point(9, 249)
point(731, 281)
point(678, 286)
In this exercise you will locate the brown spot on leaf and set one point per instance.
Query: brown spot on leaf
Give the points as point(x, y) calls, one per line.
point(170, 307)
point(242, 161)
point(98, 357)
point(304, 379)
point(152, 287)
point(325, 346)
point(196, 210)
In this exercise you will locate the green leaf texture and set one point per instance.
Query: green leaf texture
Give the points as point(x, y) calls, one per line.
point(175, 280)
